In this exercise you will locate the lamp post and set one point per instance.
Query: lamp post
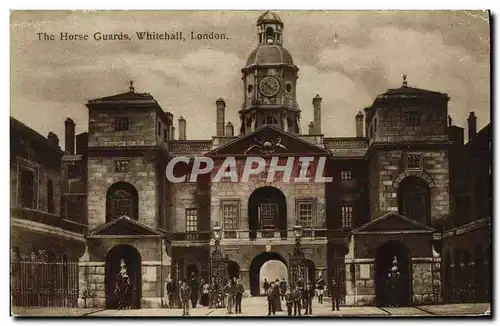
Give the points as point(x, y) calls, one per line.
point(218, 264)
point(296, 258)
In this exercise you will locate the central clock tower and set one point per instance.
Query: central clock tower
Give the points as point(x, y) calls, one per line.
point(269, 81)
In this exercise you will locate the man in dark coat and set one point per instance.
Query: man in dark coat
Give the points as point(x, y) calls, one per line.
point(336, 293)
point(308, 297)
point(282, 288)
point(271, 305)
point(297, 301)
point(277, 298)
point(239, 295)
point(266, 286)
point(289, 301)
point(185, 294)
point(195, 290)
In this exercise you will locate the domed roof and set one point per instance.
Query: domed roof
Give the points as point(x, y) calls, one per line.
point(269, 16)
point(269, 54)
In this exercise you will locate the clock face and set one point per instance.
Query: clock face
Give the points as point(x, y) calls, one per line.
point(269, 86)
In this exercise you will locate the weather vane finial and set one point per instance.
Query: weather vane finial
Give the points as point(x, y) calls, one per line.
point(131, 88)
point(405, 83)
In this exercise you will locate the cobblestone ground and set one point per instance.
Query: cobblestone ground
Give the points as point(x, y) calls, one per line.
point(257, 307)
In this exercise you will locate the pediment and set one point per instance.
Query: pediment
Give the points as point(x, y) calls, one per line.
point(268, 141)
point(124, 226)
point(394, 222)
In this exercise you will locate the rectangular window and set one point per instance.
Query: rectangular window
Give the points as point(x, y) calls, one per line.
point(159, 129)
point(413, 161)
point(347, 216)
point(165, 135)
point(73, 172)
point(412, 119)
point(27, 188)
point(374, 125)
point(267, 215)
point(346, 175)
point(121, 124)
point(230, 214)
point(305, 213)
point(50, 196)
point(191, 220)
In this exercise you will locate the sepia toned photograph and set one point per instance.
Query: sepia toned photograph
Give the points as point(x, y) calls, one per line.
point(250, 163)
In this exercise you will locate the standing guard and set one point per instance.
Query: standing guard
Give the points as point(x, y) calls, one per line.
point(123, 288)
point(320, 288)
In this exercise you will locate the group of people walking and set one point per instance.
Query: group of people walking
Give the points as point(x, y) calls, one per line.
point(208, 294)
point(297, 298)
point(300, 296)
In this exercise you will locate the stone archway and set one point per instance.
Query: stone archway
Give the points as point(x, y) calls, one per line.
point(132, 260)
point(388, 292)
point(255, 266)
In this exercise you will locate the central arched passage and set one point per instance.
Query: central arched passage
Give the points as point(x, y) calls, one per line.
point(393, 281)
point(275, 267)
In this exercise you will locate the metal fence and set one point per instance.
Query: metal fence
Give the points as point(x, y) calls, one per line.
point(44, 284)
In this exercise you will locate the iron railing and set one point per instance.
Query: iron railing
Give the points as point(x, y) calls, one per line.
point(44, 284)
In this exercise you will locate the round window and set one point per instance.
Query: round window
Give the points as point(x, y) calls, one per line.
point(250, 88)
point(288, 87)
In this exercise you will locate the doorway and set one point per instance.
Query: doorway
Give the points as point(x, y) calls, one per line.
point(132, 260)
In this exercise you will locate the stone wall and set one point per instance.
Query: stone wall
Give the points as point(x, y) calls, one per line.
point(391, 171)
point(426, 281)
point(142, 176)
point(360, 287)
point(141, 132)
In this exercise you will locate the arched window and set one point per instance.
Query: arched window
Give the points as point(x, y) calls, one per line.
point(269, 33)
point(414, 199)
point(121, 199)
point(271, 120)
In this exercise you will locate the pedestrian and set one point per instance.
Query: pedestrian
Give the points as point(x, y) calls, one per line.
point(271, 305)
point(266, 286)
point(212, 303)
point(297, 301)
point(178, 297)
point(282, 288)
point(185, 293)
point(308, 298)
point(336, 293)
point(195, 288)
point(229, 292)
point(289, 301)
point(320, 288)
point(239, 295)
point(170, 288)
point(277, 297)
point(204, 299)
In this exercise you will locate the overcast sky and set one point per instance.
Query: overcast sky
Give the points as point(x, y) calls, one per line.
point(52, 80)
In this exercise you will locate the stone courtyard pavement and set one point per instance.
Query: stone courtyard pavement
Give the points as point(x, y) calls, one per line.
point(257, 307)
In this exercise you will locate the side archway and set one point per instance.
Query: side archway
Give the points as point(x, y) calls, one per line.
point(132, 260)
point(393, 291)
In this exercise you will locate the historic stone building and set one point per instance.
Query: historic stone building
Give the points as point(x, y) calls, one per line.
point(386, 207)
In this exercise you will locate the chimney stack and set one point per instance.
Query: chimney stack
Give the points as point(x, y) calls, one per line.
point(69, 133)
point(229, 129)
point(472, 125)
point(317, 114)
point(311, 128)
point(172, 133)
point(182, 128)
point(221, 110)
point(359, 124)
point(53, 138)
